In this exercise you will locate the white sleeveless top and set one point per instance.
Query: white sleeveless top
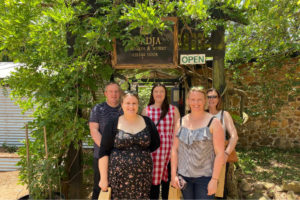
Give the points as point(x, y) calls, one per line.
point(218, 116)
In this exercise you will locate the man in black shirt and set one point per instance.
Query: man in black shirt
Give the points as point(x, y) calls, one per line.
point(100, 115)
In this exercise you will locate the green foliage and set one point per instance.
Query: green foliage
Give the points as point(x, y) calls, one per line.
point(10, 149)
point(273, 33)
point(144, 95)
point(237, 119)
point(40, 171)
point(271, 37)
point(65, 47)
point(144, 15)
point(57, 84)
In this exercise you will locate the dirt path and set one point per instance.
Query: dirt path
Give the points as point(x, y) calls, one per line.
point(10, 187)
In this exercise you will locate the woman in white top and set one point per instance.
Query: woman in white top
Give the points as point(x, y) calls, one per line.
point(215, 108)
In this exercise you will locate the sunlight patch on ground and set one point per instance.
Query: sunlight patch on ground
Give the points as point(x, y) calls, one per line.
point(10, 188)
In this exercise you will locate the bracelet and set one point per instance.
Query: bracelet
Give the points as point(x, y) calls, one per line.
point(226, 153)
point(214, 179)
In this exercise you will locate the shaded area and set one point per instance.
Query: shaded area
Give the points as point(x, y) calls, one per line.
point(270, 164)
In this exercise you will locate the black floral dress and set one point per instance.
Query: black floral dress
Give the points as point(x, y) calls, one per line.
point(130, 162)
point(130, 165)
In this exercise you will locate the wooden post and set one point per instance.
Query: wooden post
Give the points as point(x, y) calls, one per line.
point(46, 150)
point(218, 43)
point(28, 157)
point(45, 141)
point(27, 145)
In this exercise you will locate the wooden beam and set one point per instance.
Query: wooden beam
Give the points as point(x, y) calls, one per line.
point(218, 43)
point(208, 53)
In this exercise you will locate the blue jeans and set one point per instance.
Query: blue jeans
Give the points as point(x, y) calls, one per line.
point(196, 188)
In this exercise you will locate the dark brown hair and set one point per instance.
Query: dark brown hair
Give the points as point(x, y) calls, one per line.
point(165, 104)
point(219, 105)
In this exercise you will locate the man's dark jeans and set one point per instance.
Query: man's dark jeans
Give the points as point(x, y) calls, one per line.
point(96, 189)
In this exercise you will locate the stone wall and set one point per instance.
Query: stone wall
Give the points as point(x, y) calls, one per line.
point(283, 128)
point(282, 132)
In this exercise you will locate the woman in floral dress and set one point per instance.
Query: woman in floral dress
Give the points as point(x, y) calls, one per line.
point(124, 158)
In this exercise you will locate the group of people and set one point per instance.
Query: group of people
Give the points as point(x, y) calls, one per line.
point(139, 155)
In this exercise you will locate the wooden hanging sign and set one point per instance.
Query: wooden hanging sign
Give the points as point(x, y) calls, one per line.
point(159, 51)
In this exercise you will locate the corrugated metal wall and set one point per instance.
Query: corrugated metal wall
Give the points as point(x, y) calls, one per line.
point(11, 121)
point(9, 164)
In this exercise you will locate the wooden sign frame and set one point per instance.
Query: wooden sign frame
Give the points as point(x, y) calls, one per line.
point(174, 63)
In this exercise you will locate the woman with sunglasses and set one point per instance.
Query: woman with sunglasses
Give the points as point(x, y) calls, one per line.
point(125, 153)
point(163, 115)
point(215, 108)
point(198, 150)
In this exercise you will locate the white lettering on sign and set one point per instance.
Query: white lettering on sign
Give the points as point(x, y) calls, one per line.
point(192, 59)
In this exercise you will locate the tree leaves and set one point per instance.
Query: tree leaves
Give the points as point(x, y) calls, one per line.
point(61, 87)
point(267, 41)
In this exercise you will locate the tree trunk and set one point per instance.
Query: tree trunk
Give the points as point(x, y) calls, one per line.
point(218, 43)
point(232, 183)
point(73, 184)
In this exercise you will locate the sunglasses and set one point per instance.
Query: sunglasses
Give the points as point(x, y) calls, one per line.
point(212, 97)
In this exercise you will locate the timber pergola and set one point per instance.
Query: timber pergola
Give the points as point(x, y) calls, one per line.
point(189, 40)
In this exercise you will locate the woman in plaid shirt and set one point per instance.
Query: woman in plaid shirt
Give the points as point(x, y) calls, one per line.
point(164, 117)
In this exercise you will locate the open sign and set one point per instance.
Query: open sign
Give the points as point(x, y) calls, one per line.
point(192, 59)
